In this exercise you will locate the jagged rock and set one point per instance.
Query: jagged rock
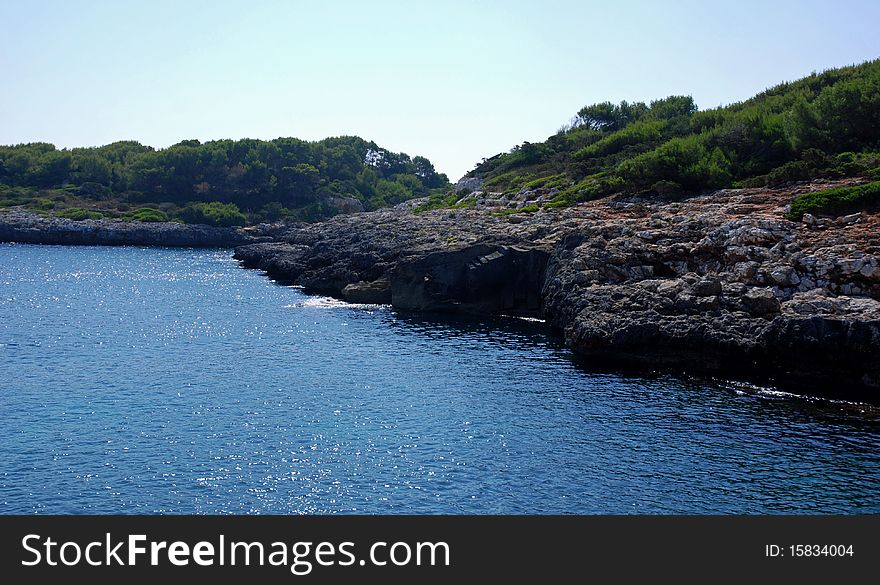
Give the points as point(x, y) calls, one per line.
point(761, 301)
point(670, 287)
point(346, 204)
point(377, 292)
point(280, 260)
point(469, 184)
point(480, 278)
point(684, 285)
point(784, 276)
point(849, 219)
point(707, 287)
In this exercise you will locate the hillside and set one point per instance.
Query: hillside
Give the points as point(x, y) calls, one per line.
point(826, 125)
point(223, 182)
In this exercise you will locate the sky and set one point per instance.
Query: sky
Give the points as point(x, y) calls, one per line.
point(455, 81)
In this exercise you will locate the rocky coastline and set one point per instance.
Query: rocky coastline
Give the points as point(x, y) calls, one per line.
point(719, 283)
point(31, 228)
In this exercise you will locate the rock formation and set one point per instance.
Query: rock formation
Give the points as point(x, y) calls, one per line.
point(720, 282)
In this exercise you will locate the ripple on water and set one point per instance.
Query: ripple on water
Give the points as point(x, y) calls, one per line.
point(172, 381)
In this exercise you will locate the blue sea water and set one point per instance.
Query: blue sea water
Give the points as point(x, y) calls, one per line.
point(173, 381)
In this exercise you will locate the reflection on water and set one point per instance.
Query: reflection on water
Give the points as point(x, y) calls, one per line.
point(155, 380)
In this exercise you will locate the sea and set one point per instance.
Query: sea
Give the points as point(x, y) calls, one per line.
point(173, 381)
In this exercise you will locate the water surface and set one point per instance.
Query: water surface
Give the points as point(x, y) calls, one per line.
point(157, 380)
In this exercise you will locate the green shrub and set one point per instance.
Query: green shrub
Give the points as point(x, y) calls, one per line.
point(825, 125)
point(509, 181)
point(797, 170)
point(548, 182)
point(441, 200)
point(557, 203)
point(79, 214)
point(273, 212)
point(639, 133)
point(685, 161)
point(667, 189)
point(145, 214)
point(527, 209)
point(94, 190)
point(214, 213)
point(751, 183)
point(836, 201)
point(297, 174)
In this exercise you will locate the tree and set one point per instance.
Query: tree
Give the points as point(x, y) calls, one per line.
point(91, 168)
point(424, 170)
point(300, 181)
point(602, 116)
point(674, 106)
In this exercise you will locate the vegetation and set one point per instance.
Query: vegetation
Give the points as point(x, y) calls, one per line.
point(214, 213)
point(77, 214)
point(836, 201)
point(146, 214)
point(441, 200)
point(219, 182)
point(525, 209)
point(825, 125)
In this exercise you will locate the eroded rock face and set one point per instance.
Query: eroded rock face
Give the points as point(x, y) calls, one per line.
point(377, 292)
point(359, 249)
point(469, 185)
point(436, 261)
point(480, 279)
point(280, 260)
point(707, 290)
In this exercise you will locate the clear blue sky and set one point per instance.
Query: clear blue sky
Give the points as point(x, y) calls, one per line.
point(453, 81)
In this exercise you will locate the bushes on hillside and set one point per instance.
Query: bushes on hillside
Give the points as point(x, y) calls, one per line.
point(145, 214)
point(79, 214)
point(214, 213)
point(836, 201)
point(825, 125)
point(685, 161)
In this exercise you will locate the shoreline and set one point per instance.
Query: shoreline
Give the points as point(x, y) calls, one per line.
point(718, 284)
point(30, 228)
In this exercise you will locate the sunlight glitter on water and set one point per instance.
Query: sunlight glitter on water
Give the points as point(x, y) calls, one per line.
point(159, 380)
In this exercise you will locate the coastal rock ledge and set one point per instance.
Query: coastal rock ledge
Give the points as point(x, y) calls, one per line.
point(717, 283)
point(30, 228)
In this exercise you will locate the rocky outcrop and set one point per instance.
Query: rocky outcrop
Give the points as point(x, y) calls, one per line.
point(436, 261)
point(718, 293)
point(26, 227)
point(482, 278)
point(468, 185)
point(377, 292)
point(714, 283)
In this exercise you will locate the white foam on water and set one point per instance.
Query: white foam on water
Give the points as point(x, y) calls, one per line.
point(331, 303)
point(529, 319)
point(747, 389)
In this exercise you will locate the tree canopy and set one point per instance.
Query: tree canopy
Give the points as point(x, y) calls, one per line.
point(286, 176)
